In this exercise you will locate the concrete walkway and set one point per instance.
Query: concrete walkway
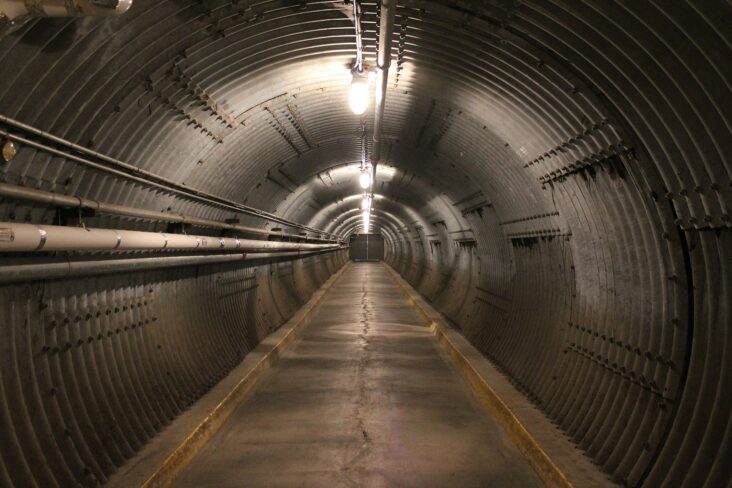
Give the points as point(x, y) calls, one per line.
point(364, 398)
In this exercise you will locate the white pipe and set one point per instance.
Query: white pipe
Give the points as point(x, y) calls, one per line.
point(8, 190)
point(383, 62)
point(131, 172)
point(13, 9)
point(16, 237)
point(21, 273)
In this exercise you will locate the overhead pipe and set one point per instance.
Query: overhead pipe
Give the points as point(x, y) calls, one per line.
point(15, 237)
point(14, 9)
point(72, 269)
point(134, 173)
point(359, 36)
point(383, 61)
point(16, 192)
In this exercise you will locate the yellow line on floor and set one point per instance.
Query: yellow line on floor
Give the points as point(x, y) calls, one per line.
point(182, 456)
point(539, 460)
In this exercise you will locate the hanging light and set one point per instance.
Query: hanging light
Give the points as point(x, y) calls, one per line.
point(364, 179)
point(366, 203)
point(366, 221)
point(359, 99)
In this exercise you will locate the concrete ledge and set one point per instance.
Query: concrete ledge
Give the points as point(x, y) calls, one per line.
point(162, 460)
point(556, 460)
point(459, 350)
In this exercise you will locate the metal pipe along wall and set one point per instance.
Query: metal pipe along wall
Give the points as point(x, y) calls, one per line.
point(23, 273)
point(28, 237)
point(71, 201)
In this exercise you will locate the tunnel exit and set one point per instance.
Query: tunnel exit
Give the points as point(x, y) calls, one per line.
point(366, 247)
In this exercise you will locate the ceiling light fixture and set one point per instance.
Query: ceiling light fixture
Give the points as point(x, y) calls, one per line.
point(9, 151)
point(364, 179)
point(359, 99)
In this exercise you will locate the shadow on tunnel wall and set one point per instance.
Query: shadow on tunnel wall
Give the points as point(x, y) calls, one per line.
point(93, 368)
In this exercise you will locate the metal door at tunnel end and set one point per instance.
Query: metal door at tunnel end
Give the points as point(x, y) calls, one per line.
point(367, 247)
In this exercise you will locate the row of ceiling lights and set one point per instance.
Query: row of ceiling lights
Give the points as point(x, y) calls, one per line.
point(359, 102)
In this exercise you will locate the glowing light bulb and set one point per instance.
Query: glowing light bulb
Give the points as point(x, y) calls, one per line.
point(366, 203)
point(359, 99)
point(365, 179)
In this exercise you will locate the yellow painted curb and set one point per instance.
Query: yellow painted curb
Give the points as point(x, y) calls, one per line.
point(182, 456)
point(541, 463)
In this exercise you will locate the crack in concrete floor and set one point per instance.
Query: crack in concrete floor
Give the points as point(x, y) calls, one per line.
point(363, 398)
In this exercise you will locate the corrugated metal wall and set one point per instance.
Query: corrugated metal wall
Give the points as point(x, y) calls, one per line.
point(556, 180)
point(91, 369)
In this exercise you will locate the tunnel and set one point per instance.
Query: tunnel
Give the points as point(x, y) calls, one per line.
point(462, 243)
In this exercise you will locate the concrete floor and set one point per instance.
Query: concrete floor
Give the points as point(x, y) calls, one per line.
point(364, 398)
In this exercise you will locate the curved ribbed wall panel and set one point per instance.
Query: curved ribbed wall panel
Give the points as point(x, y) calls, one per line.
point(556, 180)
point(92, 369)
